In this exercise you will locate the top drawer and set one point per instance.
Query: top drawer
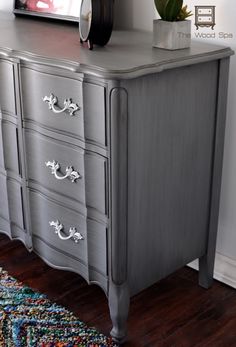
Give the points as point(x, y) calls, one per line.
point(7, 88)
point(205, 11)
point(77, 109)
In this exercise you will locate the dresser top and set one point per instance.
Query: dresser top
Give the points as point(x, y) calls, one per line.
point(129, 54)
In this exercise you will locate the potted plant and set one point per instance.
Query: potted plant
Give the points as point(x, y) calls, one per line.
point(172, 31)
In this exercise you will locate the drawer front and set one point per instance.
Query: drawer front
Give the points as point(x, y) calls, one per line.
point(204, 11)
point(15, 201)
point(86, 183)
point(94, 113)
point(7, 88)
point(10, 147)
point(2, 165)
point(87, 122)
point(90, 251)
point(4, 212)
point(205, 19)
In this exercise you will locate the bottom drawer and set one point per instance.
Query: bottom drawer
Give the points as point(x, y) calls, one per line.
point(57, 259)
point(205, 20)
point(90, 251)
point(4, 213)
point(15, 200)
point(11, 209)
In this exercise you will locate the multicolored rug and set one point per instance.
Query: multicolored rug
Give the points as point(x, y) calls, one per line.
point(28, 318)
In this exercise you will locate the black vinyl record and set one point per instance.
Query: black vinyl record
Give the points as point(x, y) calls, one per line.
point(96, 21)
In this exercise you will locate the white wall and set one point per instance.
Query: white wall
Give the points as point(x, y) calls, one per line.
point(134, 14)
point(6, 5)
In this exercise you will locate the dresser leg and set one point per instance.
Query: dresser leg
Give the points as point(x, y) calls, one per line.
point(119, 300)
point(206, 270)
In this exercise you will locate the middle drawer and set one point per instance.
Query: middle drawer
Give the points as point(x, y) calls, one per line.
point(67, 170)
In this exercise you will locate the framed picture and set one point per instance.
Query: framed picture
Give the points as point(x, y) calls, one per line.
point(59, 9)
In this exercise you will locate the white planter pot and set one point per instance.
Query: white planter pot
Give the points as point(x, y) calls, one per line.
point(171, 35)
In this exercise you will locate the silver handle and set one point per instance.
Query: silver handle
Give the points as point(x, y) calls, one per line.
point(70, 172)
point(73, 233)
point(68, 105)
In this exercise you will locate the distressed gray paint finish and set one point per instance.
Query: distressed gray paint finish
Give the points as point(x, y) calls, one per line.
point(15, 201)
point(11, 213)
point(49, 254)
point(43, 210)
point(128, 54)
point(89, 189)
point(10, 139)
point(206, 263)
point(7, 90)
point(36, 85)
point(2, 165)
point(13, 217)
point(39, 84)
point(148, 137)
point(92, 250)
point(4, 212)
point(95, 120)
point(118, 286)
point(170, 160)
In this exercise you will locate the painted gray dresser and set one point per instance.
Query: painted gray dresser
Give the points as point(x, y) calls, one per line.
point(110, 160)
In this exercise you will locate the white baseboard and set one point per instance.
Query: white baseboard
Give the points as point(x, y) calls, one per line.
point(225, 269)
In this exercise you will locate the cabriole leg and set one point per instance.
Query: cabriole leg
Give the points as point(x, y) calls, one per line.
point(119, 300)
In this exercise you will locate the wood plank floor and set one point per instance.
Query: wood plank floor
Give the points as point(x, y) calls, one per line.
point(176, 312)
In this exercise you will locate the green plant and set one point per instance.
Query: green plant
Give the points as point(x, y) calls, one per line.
point(172, 10)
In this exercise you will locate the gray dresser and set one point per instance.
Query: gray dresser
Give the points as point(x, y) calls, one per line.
point(110, 160)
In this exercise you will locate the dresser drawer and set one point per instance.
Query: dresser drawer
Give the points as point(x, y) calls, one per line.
point(204, 19)
point(52, 223)
point(204, 11)
point(7, 93)
point(47, 95)
point(4, 212)
point(44, 211)
point(10, 147)
point(2, 164)
point(88, 170)
point(15, 201)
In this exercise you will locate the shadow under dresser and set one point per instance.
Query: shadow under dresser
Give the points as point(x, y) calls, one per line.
point(111, 160)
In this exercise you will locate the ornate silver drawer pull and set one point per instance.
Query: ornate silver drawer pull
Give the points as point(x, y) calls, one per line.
point(68, 105)
point(73, 233)
point(70, 172)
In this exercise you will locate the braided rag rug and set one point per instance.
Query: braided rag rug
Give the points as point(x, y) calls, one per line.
point(28, 318)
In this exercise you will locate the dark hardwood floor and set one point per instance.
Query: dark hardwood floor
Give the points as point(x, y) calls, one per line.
point(176, 312)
